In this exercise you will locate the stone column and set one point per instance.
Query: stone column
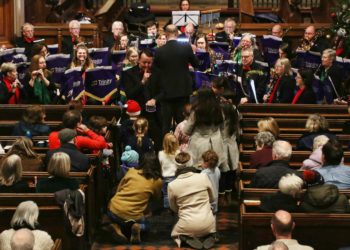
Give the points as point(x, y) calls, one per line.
point(18, 16)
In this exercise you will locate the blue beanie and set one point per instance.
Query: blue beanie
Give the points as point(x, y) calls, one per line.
point(130, 157)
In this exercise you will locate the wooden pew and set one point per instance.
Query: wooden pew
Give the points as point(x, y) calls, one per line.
point(293, 111)
point(55, 112)
point(247, 140)
point(57, 245)
point(321, 231)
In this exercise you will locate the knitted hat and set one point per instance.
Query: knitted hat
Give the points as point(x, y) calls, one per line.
point(133, 108)
point(66, 135)
point(130, 157)
point(312, 178)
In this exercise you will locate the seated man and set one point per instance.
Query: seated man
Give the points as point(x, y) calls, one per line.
point(228, 33)
point(117, 31)
point(26, 40)
point(22, 239)
point(313, 42)
point(332, 170)
point(269, 176)
point(79, 161)
point(282, 225)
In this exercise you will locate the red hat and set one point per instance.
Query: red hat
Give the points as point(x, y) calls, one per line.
point(133, 108)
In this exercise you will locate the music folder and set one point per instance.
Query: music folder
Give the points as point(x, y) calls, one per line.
point(182, 18)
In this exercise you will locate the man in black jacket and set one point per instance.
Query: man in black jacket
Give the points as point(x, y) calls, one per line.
point(175, 83)
point(269, 176)
point(79, 161)
point(26, 41)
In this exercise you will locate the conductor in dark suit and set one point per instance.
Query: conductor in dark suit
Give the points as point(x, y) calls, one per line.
point(171, 61)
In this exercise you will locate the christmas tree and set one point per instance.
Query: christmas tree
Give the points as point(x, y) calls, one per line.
point(341, 28)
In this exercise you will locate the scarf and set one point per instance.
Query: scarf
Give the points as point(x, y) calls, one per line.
point(29, 40)
point(274, 90)
point(41, 92)
point(14, 99)
point(297, 95)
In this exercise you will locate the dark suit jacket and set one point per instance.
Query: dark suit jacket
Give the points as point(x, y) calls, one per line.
point(320, 45)
point(307, 97)
point(171, 61)
point(108, 41)
point(269, 176)
point(67, 45)
point(21, 43)
point(337, 76)
point(79, 161)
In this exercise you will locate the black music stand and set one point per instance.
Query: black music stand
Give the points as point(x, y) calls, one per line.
point(182, 18)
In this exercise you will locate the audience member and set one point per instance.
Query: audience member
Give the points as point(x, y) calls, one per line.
point(269, 176)
point(263, 154)
point(269, 124)
point(179, 133)
point(128, 207)
point(23, 147)
point(315, 125)
point(315, 159)
point(98, 124)
point(210, 168)
point(190, 195)
point(133, 111)
point(11, 174)
point(322, 198)
point(10, 86)
point(32, 123)
point(26, 216)
point(278, 245)
point(282, 226)
point(167, 161)
point(332, 170)
point(79, 161)
point(22, 239)
point(58, 169)
point(203, 126)
point(290, 186)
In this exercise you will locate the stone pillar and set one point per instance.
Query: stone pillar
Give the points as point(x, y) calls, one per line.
point(18, 16)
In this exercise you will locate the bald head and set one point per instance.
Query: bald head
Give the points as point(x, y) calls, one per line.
point(277, 30)
point(282, 224)
point(310, 32)
point(171, 31)
point(22, 239)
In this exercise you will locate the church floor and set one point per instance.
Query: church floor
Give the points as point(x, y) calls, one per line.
point(159, 236)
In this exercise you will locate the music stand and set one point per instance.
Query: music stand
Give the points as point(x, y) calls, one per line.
point(182, 18)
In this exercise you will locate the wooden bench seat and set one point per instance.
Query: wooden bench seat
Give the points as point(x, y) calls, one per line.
point(321, 231)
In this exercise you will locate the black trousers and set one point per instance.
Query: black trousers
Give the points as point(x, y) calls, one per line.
point(172, 110)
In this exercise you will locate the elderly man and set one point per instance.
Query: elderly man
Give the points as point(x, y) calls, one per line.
point(26, 40)
point(22, 239)
point(313, 42)
point(70, 42)
point(277, 30)
point(228, 33)
point(269, 176)
point(250, 72)
point(282, 226)
point(333, 171)
point(117, 31)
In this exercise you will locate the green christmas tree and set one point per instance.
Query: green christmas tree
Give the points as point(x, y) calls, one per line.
point(341, 27)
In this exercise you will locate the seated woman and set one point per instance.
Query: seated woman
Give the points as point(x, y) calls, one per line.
point(32, 123)
point(263, 154)
point(11, 174)
point(128, 207)
point(290, 186)
point(82, 59)
point(202, 45)
point(160, 39)
point(305, 93)
point(23, 147)
point(315, 159)
point(282, 83)
point(40, 49)
point(26, 216)
point(131, 58)
point(58, 169)
point(190, 195)
point(315, 125)
point(40, 89)
point(248, 41)
point(10, 87)
point(269, 124)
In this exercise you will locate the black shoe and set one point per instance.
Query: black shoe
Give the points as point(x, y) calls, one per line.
point(209, 242)
point(115, 233)
point(192, 242)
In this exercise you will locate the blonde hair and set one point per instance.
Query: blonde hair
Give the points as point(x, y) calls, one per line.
point(10, 170)
point(129, 52)
point(319, 141)
point(8, 67)
point(59, 165)
point(269, 124)
point(287, 66)
point(331, 53)
point(170, 144)
point(315, 123)
point(141, 128)
point(74, 23)
point(26, 214)
point(22, 146)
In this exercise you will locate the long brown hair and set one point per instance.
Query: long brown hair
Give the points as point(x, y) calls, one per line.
point(34, 65)
point(88, 62)
point(22, 146)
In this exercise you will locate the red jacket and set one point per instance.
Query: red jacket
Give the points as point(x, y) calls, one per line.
point(91, 141)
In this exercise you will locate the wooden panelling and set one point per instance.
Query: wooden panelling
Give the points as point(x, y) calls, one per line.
point(6, 22)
